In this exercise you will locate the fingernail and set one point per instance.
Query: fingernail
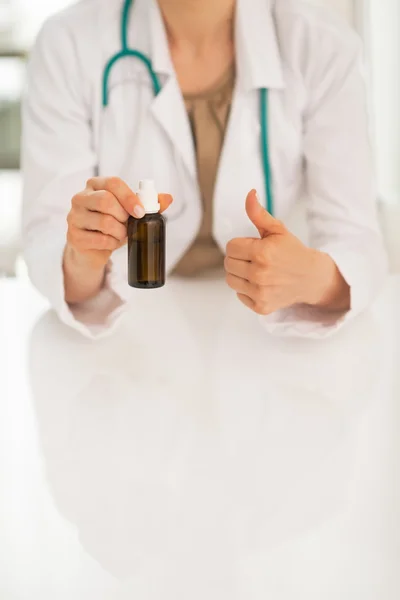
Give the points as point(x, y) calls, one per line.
point(257, 197)
point(139, 211)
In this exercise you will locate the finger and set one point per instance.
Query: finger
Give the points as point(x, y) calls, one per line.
point(252, 271)
point(104, 223)
point(123, 193)
point(91, 240)
point(123, 242)
point(238, 284)
point(237, 267)
point(260, 308)
point(261, 218)
point(242, 248)
point(103, 202)
point(246, 300)
point(165, 201)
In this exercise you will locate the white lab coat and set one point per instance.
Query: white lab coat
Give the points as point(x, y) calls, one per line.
point(319, 146)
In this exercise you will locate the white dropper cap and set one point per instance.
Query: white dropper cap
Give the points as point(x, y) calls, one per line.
point(148, 196)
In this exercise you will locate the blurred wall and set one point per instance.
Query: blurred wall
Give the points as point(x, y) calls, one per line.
point(385, 42)
point(31, 14)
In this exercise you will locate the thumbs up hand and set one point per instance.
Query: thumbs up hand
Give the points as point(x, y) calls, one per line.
point(277, 270)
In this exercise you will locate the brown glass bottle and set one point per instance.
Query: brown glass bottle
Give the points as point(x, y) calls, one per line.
point(146, 251)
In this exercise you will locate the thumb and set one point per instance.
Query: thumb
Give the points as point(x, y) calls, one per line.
point(261, 218)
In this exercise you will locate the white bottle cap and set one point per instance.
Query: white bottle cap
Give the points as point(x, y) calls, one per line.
point(148, 196)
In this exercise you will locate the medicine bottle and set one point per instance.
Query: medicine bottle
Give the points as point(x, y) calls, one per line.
point(146, 242)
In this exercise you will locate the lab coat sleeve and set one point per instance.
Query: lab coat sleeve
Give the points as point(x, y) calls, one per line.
point(58, 157)
point(340, 188)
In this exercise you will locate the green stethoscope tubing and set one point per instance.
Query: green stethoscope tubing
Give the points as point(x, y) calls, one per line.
point(264, 97)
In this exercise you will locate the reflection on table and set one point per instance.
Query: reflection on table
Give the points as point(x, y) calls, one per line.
point(189, 445)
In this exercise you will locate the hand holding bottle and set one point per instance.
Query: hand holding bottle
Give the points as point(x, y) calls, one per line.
point(97, 221)
point(97, 226)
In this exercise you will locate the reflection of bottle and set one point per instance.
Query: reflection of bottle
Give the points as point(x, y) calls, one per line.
point(146, 242)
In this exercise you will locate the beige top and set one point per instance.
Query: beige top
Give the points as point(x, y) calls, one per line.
point(208, 113)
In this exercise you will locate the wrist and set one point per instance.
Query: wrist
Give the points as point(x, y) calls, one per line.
point(82, 279)
point(80, 262)
point(327, 288)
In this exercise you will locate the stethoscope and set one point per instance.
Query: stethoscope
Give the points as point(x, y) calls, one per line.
point(126, 51)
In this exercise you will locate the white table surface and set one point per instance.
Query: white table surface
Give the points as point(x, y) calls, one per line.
point(190, 456)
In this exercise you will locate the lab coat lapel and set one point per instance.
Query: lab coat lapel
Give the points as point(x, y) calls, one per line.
point(257, 50)
point(170, 112)
point(168, 107)
point(259, 66)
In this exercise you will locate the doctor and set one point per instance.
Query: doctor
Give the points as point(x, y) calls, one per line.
point(233, 108)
